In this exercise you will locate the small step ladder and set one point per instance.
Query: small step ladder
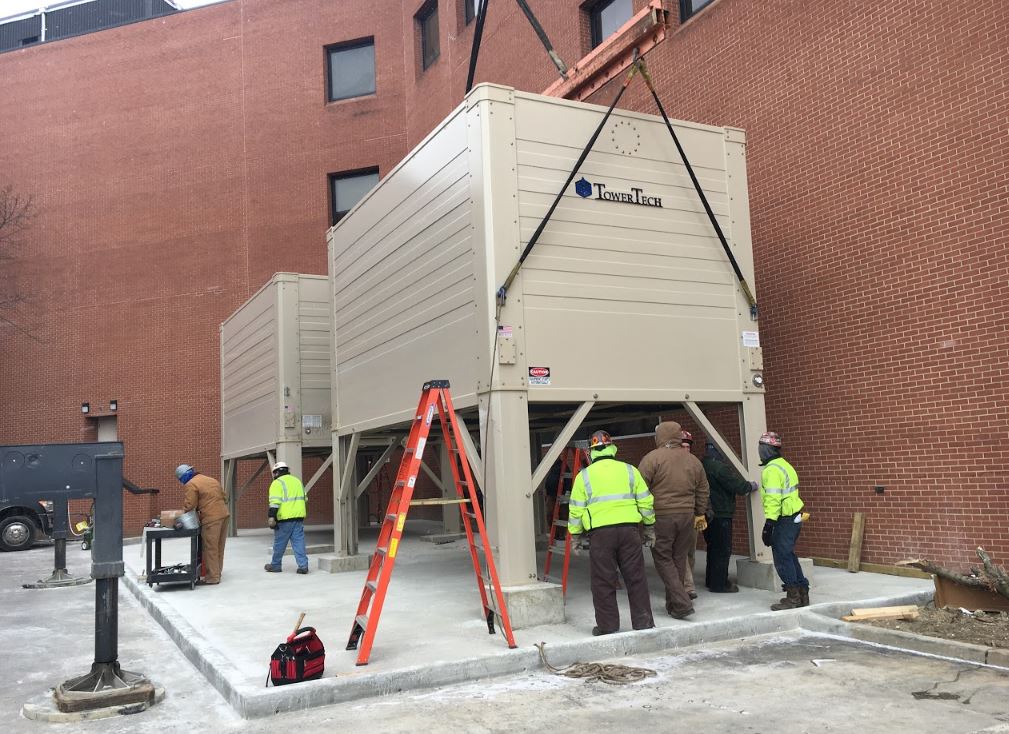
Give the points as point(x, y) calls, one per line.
point(435, 396)
point(571, 463)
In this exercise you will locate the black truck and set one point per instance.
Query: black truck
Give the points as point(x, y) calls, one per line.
point(22, 525)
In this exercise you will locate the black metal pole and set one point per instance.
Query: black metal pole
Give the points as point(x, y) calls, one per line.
point(61, 555)
point(106, 620)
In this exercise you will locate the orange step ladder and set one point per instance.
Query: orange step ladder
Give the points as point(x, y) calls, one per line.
point(435, 396)
point(572, 459)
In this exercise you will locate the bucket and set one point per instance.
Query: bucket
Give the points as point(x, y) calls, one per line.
point(187, 521)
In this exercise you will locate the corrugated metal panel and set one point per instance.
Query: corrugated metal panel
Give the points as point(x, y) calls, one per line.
point(315, 345)
point(653, 279)
point(403, 280)
point(20, 33)
point(250, 388)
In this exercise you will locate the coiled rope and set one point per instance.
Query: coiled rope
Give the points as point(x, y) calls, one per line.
point(615, 675)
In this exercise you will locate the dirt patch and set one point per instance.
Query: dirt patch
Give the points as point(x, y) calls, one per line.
point(981, 628)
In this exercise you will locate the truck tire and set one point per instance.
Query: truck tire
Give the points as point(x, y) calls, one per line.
point(17, 532)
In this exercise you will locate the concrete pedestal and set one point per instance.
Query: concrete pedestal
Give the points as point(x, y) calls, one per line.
point(439, 538)
point(530, 605)
point(761, 575)
point(339, 564)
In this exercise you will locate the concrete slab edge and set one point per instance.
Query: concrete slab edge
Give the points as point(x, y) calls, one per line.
point(825, 619)
point(218, 671)
point(45, 710)
point(256, 702)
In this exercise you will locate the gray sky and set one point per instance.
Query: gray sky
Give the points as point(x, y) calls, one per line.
point(17, 7)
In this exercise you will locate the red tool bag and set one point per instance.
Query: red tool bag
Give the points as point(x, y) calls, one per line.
point(302, 657)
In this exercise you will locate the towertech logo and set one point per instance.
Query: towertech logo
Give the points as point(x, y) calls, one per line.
point(584, 188)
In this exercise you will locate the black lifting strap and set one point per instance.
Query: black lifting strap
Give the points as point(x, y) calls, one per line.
point(502, 293)
point(481, 16)
point(531, 17)
point(700, 192)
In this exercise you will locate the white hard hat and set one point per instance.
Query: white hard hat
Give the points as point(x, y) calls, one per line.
point(280, 465)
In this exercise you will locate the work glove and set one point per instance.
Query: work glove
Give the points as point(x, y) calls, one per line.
point(648, 534)
point(272, 522)
point(700, 524)
point(754, 486)
point(766, 534)
point(579, 543)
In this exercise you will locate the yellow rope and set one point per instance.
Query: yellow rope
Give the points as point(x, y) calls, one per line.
point(616, 675)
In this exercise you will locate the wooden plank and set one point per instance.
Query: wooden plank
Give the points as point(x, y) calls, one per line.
point(913, 573)
point(908, 612)
point(439, 501)
point(871, 611)
point(855, 550)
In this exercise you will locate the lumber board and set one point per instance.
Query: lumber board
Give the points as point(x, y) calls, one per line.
point(855, 550)
point(913, 573)
point(902, 612)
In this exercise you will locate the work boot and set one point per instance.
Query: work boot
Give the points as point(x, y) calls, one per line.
point(793, 600)
point(270, 568)
point(682, 615)
point(803, 596)
point(303, 570)
point(730, 589)
point(596, 632)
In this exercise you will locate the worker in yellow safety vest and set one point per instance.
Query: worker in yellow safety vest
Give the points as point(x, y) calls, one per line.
point(609, 503)
point(287, 518)
point(779, 492)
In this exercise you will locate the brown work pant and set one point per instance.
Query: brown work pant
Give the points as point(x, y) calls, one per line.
point(212, 536)
point(610, 549)
point(673, 535)
point(688, 567)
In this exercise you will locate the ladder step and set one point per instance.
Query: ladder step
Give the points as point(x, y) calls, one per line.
point(373, 585)
point(439, 501)
point(382, 551)
point(362, 621)
point(391, 516)
point(560, 523)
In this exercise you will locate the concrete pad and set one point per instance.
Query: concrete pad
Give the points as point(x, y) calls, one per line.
point(761, 575)
point(438, 538)
point(432, 632)
point(332, 563)
point(531, 605)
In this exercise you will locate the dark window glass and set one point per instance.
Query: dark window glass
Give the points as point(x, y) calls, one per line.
point(607, 16)
point(428, 20)
point(350, 70)
point(689, 7)
point(346, 189)
point(472, 8)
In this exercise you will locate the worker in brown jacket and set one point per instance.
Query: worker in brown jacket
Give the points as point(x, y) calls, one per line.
point(206, 495)
point(677, 481)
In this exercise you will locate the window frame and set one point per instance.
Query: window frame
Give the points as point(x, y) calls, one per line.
point(327, 55)
point(428, 9)
point(596, 20)
point(332, 178)
point(470, 10)
point(687, 10)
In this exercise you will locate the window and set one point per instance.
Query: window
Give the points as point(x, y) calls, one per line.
point(472, 9)
point(427, 19)
point(346, 189)
point(606, 16)
point(350, 70)
point(690, 7)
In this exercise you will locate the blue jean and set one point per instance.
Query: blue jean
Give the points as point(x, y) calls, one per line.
point(786, 563)
point(293, 531)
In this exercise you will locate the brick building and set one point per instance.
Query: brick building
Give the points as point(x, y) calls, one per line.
point(179, 161)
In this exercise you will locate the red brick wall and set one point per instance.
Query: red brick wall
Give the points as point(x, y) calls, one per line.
point(179, 162)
